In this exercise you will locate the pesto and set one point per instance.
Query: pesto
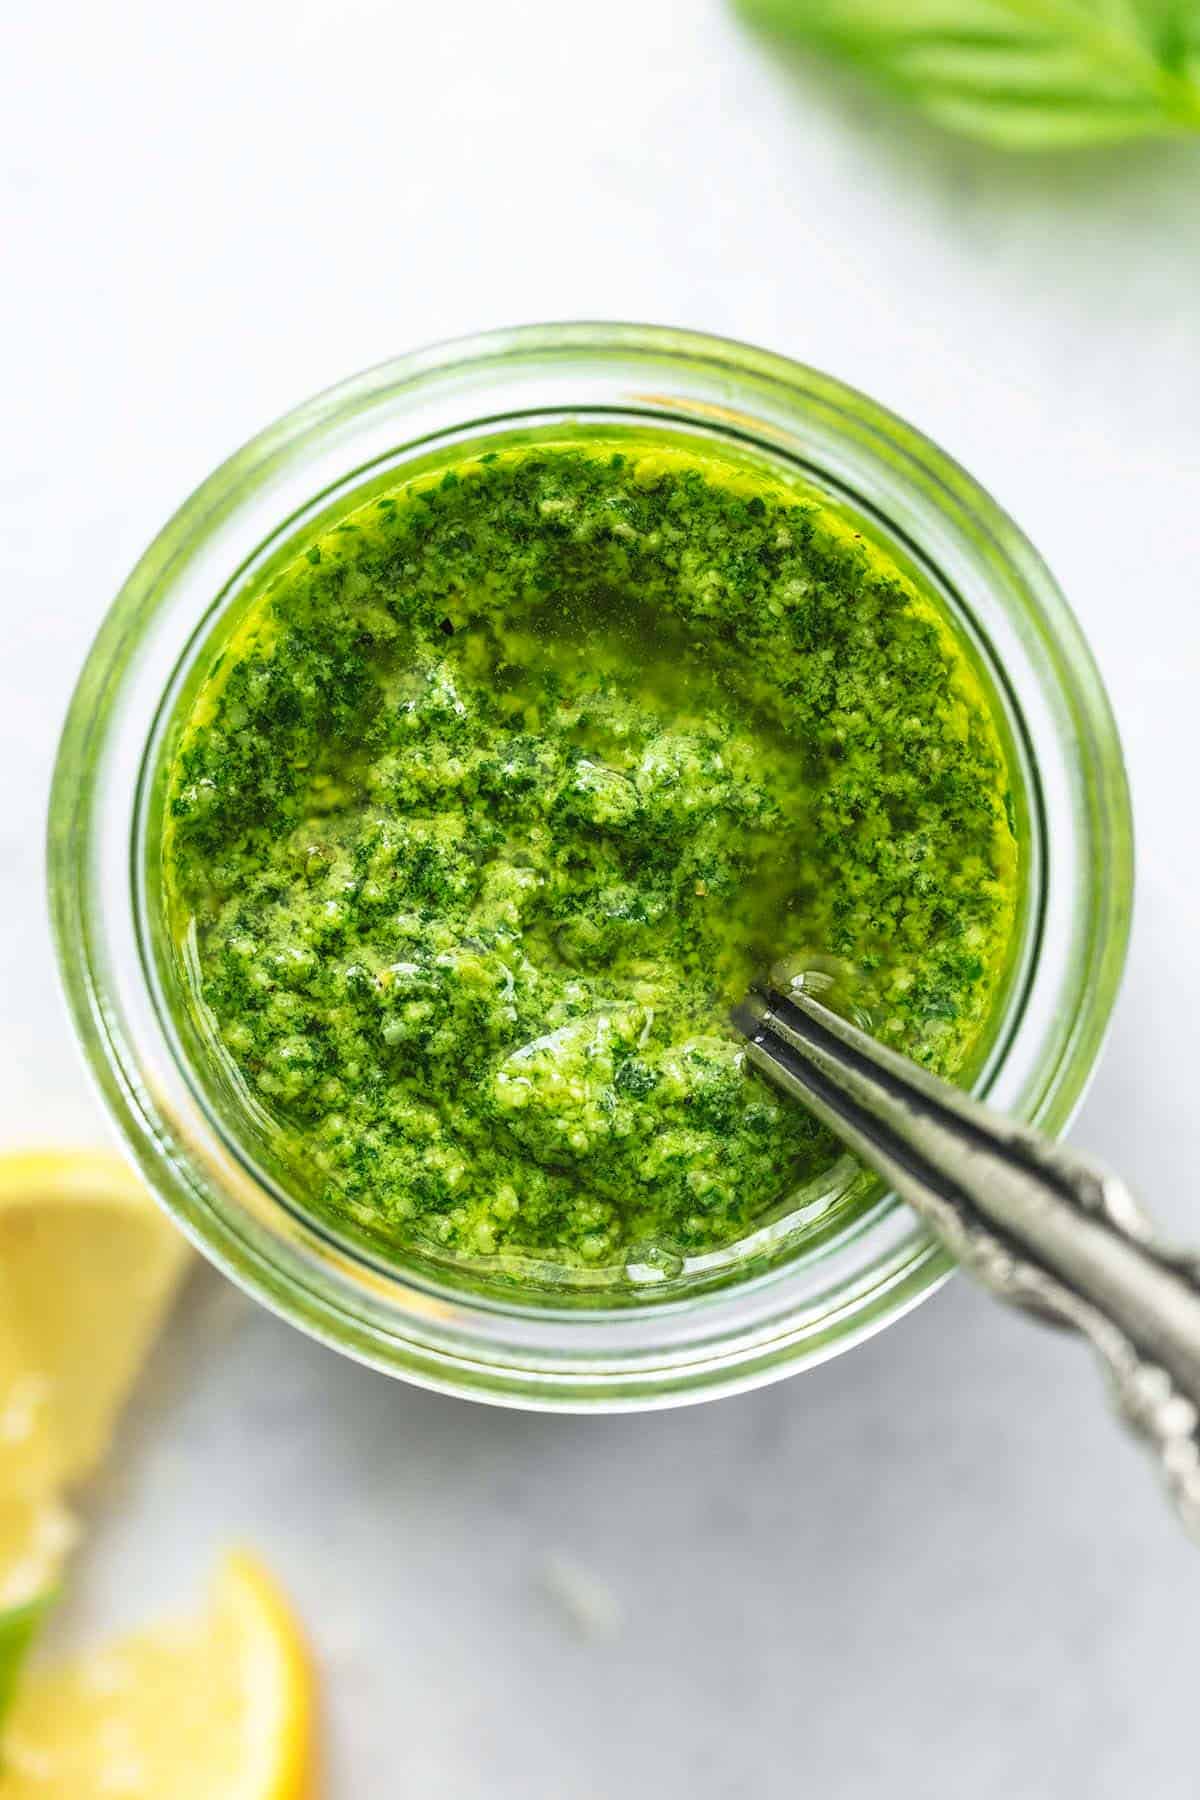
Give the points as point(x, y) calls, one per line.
point(497, 797)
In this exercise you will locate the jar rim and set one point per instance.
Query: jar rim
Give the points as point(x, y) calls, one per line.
point(391, 412)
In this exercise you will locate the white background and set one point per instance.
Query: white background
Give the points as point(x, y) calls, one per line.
point(931, 1569)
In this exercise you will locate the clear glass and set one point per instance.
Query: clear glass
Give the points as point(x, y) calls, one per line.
point(791, 1296)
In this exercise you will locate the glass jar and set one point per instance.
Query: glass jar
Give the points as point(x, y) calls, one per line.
point(783, 1307)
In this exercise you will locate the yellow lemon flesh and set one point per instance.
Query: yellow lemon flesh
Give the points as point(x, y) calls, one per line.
point(36, 1533)
point(219, 1707)
point(87, 1266)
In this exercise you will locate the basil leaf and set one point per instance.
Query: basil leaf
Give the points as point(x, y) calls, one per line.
point(1022, 74)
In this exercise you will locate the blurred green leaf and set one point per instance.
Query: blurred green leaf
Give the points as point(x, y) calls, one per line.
point(18, 1627)
point(1022, 74)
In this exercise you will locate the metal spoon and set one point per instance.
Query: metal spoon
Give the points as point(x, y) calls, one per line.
point(1040, 1225)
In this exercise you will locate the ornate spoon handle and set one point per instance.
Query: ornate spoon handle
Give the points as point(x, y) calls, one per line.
point(1038, 1224)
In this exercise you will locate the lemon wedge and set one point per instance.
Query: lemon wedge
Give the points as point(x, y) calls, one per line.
point(87, 1266)
point(219, 1707)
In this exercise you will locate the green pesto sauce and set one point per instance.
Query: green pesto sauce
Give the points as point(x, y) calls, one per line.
point(501, 793)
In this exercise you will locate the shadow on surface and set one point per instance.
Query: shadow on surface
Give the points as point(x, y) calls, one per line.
point(1150, 183)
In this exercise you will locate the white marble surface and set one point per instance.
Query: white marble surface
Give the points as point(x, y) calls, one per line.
point(930, 1569)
